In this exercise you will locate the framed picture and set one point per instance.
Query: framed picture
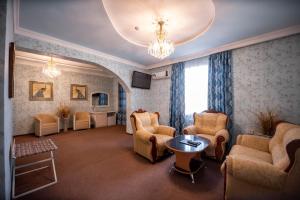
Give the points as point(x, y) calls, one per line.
point(40, 91)
point(78, 92)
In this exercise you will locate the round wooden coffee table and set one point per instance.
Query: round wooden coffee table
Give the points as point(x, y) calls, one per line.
point(188, 159)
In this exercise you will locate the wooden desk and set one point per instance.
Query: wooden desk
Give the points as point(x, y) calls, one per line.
point(103, 119)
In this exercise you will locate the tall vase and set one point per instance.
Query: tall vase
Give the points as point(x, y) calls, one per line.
point(66, 124)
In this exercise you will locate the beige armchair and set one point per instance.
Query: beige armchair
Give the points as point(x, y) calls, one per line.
point(211, 125)
point(148, 136)
point(258, 167)
point(46, 124)
point(81, 120)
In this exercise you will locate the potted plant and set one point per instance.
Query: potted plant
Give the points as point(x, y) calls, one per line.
point(268, 121)
point(63, 111)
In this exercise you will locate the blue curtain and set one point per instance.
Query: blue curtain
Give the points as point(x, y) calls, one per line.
point(220, 89)
point(121, 115)
point(177, 104)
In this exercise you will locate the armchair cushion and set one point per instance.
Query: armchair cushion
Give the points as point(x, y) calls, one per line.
point(46, 118)
point(255, 172)
point(165, 130)
point(250, 154)
point(191, 130)
point(254, 142)
point(210, 123)
point(143, 136)
point(146, 120)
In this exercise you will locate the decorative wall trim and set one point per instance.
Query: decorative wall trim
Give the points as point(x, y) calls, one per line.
point(35, 35)
point(82, 69)
point(234, 45)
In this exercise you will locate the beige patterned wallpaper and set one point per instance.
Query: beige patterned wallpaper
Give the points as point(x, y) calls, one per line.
point(24, 110)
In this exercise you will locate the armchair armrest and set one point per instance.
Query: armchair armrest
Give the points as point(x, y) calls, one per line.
point(166, 130)
point(222, 136)
point(255, 172)
point(253, 141)
point(190, 130)
point(145, 136)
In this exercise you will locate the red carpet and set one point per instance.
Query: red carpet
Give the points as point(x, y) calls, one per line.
point(100, 164)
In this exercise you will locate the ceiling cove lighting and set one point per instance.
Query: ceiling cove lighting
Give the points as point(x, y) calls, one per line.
point(51, 70)
point(161, 47)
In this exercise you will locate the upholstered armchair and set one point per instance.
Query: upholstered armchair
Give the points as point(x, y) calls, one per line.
point(81, 120)
point(46, 124)
point(211, 125)
point(148, 136)
point(258, 167)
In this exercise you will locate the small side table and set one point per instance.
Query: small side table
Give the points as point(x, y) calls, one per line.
point(187, 157)
point(66, 124)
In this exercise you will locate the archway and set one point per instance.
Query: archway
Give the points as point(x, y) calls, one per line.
point(117, 74)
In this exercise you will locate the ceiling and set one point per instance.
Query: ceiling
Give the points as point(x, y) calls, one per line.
point(85, 22)
point(139, 21)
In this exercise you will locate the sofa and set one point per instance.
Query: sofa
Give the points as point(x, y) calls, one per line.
point(46, 124)
point(211, 125)
point(148, 136)
point(259, 167)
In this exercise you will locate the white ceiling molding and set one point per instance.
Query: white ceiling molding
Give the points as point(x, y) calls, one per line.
point(138, 22)
point(68, 66)
point(234, 45)
point(35, 35)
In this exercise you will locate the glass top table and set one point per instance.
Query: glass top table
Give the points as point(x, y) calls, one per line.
point(188, 159)
point(176, 144)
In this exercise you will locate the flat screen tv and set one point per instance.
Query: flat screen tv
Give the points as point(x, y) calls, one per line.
point(141, 80)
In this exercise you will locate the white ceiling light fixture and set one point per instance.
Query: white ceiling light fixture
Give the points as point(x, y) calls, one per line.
point(133, 19)
point(161, 47)
point(51, 70)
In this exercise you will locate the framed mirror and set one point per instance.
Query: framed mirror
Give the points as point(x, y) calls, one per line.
point(100, 99)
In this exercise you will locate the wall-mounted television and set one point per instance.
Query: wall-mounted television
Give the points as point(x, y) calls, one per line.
point(141, 80)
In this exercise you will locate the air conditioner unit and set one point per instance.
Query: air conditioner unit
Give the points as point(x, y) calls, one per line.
point(161, 75)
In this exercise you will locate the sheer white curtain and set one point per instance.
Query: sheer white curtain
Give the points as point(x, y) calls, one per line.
point(196, 87)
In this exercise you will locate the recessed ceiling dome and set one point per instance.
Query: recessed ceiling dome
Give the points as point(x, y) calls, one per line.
point(135, 20)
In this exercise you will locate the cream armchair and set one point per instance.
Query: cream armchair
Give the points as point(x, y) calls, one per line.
point(258, 167)
point(81, 120)
point(211, 125)
point(46, 124)
point(148, 136)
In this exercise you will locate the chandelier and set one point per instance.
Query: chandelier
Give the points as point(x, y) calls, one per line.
point(161, 47)
point(50, 69)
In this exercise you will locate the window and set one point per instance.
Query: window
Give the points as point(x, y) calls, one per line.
point(196, 87)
